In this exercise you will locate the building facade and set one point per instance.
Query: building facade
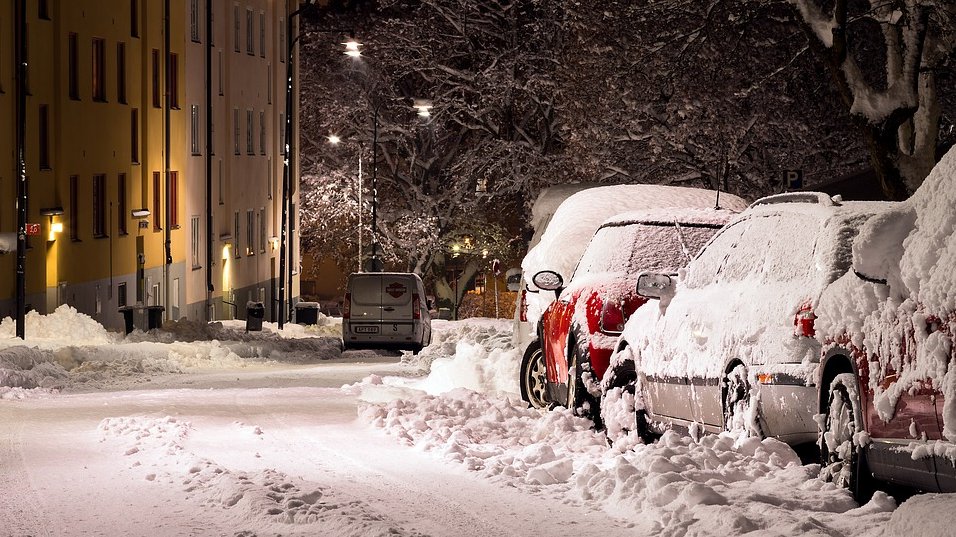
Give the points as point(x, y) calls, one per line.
point(116, 155)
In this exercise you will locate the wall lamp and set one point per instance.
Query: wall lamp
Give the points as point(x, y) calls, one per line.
point(55, 227)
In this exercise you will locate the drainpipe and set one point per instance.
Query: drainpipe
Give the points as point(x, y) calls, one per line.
point(166, 164)
point(21, 171)
point(209, 145)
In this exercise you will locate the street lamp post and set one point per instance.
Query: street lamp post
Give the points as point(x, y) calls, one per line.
point(284, 234)
point(21, 92)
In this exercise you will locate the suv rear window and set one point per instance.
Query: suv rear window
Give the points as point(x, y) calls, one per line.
point(367, 290)
point(636, 247)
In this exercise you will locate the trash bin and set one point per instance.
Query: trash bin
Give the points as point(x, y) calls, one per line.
point(307, 312)
point(154, 317)
point(127, 312)
point(255, 311)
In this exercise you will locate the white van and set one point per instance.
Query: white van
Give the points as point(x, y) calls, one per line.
point(386, 310)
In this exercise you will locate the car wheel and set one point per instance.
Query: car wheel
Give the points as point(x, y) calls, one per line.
point(580, 400)
point(619, 412)
point(740, 403)
point(843, 458)
point(534, 378)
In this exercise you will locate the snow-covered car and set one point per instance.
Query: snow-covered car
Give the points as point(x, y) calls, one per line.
point(887, 398)
point(732, 345)
point(579, 329)
point(563, 227)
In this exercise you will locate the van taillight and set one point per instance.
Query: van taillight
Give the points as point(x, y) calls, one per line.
point(524, 306)
point(346, 309)
point(416, 306)
point(612, 317)
point(803, 321)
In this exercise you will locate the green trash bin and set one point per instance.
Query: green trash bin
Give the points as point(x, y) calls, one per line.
point(127, 312)
point(307, 312)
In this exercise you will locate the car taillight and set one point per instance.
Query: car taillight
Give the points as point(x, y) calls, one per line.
point(416, 306)
point(524, 306)
point(803, 321)
point(347, 307)
point(612, 317)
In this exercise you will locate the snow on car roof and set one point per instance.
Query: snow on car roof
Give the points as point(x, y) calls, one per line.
point(928, 264)
point(577, 218)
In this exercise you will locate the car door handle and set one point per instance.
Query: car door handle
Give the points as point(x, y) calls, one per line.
point(389, 309)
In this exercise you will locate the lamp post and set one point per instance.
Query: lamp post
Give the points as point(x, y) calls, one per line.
point(284, 225)
point(21, 172)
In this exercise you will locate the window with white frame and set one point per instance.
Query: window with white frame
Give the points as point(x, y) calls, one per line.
point(194, 20)
point(195, 230)
point(194, 130)
point(250, 232)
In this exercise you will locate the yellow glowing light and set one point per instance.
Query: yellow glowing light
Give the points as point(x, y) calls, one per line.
point(225, 251)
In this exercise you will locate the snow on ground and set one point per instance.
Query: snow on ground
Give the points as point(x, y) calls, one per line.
point(214, 430)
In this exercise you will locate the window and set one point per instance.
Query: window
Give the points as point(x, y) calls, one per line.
point(74, 75)
point(222, 185)
point(235, 27)
point(262, 34)
point(121, 72)
point(157, 96)
point(250, 232)
point(262, 132)
point(99, 69)
point(282, 133)
point(250, 33)
point(99, 205)
point(250, 146)
point(121, 205)
point(134, 18)
point(283, 50)
point(194, 129)
point(134, 135)
point(220, 73)
point(157, 200)
point(212, 130)
point(194, 20)
point(44, 132)
point(212, 25)
point(269, 83)
point(236, 236)
point(174, 200)
point(121, 294)
point(194, 243)
point(74, 208)
point(262, 229)
point(235, 130)
point(174, 81)
point(43, 10)
point(271, 177)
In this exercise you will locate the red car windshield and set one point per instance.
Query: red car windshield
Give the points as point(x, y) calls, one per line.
point(637, 247)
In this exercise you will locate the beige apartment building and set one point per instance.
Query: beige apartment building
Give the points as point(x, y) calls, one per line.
point(116, 156)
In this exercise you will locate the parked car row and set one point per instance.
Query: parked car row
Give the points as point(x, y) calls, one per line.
point(804, 317)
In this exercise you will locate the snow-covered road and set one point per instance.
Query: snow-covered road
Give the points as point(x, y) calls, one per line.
point(280, 451)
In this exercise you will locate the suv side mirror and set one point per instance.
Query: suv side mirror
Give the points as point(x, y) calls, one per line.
point(655, 285)
point(549, 280)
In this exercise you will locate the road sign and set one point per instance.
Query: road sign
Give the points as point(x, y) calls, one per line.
point(33, 229)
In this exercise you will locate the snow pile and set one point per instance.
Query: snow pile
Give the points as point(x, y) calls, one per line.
point(65, 326)
point(68, 350)
point(677, 486)
point(476, 354)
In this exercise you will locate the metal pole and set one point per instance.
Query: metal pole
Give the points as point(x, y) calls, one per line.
point(374, 239)
point(167, 210)
point(21, 172)
point(209, 151)
point(360, 209)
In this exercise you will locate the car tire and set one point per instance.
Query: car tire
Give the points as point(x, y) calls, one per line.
point(533, 377)
point(580, 401)
point(738, 401)
point(842, 459)
point(619, 414)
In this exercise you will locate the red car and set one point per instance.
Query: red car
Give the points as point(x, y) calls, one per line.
point(578, 330)
point(887, 390)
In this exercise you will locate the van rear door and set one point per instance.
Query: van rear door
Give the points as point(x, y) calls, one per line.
point(397, 298)
point(366, 298)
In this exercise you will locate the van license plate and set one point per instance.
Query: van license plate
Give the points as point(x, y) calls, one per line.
point(366, 329)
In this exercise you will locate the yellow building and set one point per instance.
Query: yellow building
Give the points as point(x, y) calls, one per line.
point(99, 121)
